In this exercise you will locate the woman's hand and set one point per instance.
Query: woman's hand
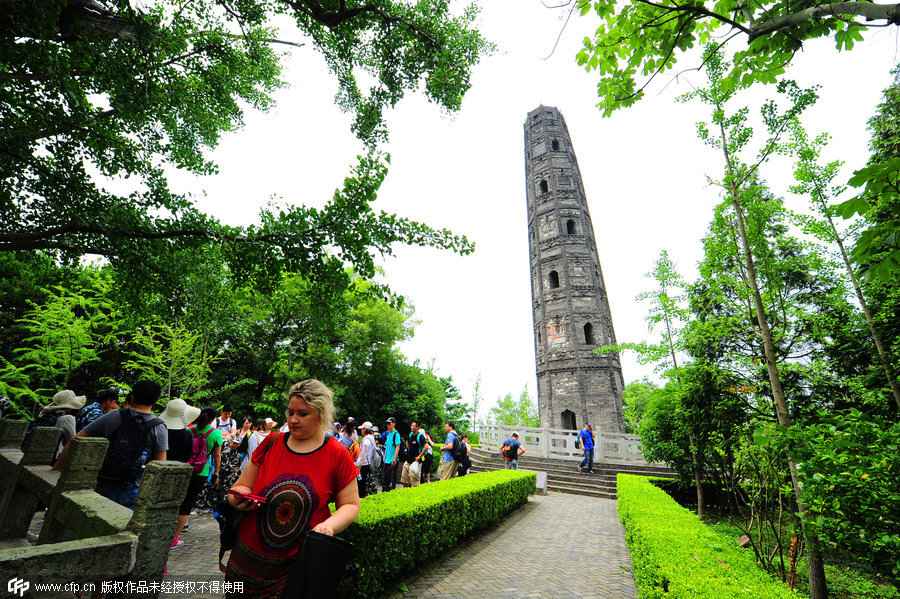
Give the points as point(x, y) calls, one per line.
point(238, 503)
point(324, 528)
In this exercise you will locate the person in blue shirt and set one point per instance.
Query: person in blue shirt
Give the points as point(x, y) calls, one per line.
point(449, 451)
point(586, 436)
point(391, 456)
point(512, 449)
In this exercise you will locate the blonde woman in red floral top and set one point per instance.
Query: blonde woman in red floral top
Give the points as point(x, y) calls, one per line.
point(299, 473)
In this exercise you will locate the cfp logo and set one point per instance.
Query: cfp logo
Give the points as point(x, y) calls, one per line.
point(17, 586)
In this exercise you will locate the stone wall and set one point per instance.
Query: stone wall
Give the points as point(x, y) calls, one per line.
point(84, 536)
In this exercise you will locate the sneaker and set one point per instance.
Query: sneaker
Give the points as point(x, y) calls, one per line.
point(176, 542)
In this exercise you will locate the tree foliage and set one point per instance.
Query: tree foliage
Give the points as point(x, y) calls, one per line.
point(516, 412)
point(877, 250)
point(638, 40)
point(99, 96)
point(215, 342)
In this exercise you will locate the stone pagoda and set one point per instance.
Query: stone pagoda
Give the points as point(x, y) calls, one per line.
point(569, 300)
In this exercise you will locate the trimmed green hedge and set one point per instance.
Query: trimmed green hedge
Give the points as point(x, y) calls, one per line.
point(400, 530)
point(674, 555)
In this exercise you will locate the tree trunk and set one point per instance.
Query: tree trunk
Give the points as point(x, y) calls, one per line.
point(698, 482)
point(870, 321)
point(817, 584)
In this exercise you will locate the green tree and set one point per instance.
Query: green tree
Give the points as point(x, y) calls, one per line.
point(850, 467)
point(516, 412)
point(666, 310)
point(475, 405)
point(639, 40)
point(99, 90)
point(175, 357)
point(63, 335)
point(635, 399)
point(817, 182)
point(506, 412)
point(877, 250)
point(731, 135)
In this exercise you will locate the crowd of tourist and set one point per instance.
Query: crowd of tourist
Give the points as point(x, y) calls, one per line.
point(288, 474)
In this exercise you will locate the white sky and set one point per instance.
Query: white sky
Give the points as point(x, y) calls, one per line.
point(644, 173)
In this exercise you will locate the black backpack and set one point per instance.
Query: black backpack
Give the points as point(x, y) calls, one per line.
point(125, 458)
point(458, 453)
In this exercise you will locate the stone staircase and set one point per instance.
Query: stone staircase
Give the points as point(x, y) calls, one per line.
point(563, 476)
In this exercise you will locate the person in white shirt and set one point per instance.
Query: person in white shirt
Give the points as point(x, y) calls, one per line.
point(366, 455)
point(226, 424)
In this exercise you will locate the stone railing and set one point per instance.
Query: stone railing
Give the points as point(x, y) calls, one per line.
point(559, 444)
point(84, 537)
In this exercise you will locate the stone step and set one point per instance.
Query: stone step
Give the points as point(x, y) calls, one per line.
point(572, 488)
point(564, 468)
point(579, 491)
point(585, 484)
point(568, 475)
point(557, 475)
point(547, 464)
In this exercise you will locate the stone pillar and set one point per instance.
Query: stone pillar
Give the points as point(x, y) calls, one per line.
point(42, 446)
point(163, 488)
point(12, 433)
point(545, 443)
point(22, 503)
point(83, 461)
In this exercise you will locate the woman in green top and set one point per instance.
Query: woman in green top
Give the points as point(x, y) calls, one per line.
point(208, 496)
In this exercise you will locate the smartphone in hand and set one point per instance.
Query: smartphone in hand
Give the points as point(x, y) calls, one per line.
point(258, 500)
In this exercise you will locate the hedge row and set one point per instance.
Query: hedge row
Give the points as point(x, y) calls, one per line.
point(400, 530)
point(674, 555)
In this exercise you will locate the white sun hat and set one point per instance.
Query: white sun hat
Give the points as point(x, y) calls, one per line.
point(178, 414)
point(64, 400)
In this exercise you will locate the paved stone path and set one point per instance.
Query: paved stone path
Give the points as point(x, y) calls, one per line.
point(556, 547)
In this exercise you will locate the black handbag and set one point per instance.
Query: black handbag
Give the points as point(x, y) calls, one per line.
point(319, 568)
point(229, 520)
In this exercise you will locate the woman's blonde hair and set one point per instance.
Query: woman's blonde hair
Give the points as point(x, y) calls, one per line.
point(316, 394)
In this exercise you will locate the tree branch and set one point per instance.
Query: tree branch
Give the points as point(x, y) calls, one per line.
point(872, 12)
point(699, 11)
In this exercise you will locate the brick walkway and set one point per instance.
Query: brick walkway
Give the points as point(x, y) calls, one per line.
point(197, 557)
point(556, 547)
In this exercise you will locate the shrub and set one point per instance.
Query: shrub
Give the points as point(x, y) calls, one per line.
point(675, 555)
point(397, 531)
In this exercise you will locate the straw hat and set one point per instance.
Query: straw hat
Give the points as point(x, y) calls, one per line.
point(64, 400)
point(178, 414)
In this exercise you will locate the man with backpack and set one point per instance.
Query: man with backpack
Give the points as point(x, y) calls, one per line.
point(511, 450)
point(416, 453)
point(451, 453)
point(135, 436)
